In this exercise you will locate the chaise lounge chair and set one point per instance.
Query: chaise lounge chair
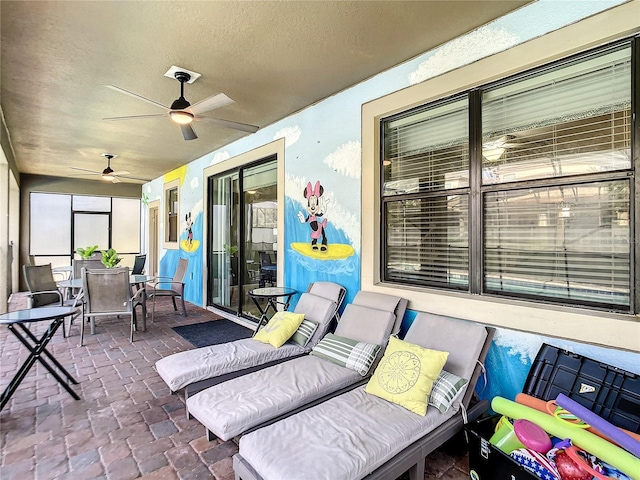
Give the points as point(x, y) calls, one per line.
point(204, 367)
point(358, 435)
point(262, 397)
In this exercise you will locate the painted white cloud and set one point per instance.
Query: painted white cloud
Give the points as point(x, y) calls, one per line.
point(346, 159)
point(341, 218)
point(291, 135)
point(220, 157)
point(462, 51)
point(522, 345)
point(194, 183)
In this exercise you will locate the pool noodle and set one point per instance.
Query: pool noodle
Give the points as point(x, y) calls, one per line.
point(618, 436)
point(607, 451)
point(541, 405)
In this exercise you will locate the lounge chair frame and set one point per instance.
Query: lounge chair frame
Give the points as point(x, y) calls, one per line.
point(412, 458)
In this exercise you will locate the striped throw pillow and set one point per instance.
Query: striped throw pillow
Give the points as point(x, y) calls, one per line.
point(446, 389)
point(304, 333)
point(358, 356)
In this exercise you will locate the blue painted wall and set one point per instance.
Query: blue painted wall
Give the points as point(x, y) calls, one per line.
point(323, 143)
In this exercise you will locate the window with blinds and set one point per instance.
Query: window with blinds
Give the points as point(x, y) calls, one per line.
point(425, 185)
point(552, 187)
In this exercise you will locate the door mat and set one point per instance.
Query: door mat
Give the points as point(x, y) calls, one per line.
point(213, 332)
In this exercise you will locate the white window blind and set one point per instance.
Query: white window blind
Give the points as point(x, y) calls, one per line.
point(568, 243)
point(569, 120)
point(427, 240)
point(427, 150)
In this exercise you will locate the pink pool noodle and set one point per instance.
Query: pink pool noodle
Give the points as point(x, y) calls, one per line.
point(614, 433)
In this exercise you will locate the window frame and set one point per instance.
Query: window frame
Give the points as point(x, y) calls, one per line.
point(598, 327)
point(167, 189)
point(477, 190)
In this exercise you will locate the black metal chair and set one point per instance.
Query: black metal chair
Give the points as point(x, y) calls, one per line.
point(268, 270)
point(138, 265)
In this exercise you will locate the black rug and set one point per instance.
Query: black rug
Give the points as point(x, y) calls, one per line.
point(213, 332)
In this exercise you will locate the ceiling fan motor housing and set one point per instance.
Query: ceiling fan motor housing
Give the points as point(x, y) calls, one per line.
point(181, 103)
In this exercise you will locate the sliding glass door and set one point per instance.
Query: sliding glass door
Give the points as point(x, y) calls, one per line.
point(242, 235)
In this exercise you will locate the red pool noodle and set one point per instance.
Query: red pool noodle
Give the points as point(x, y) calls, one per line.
point(541, 405)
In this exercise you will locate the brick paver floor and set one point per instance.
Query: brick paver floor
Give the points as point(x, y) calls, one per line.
point(127, 424)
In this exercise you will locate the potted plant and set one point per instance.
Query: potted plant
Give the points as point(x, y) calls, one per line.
point(86, 253)
point(110, 258)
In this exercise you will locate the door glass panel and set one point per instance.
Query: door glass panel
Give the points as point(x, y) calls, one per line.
point(259, 268)
point(223, 281)
point(91, 229)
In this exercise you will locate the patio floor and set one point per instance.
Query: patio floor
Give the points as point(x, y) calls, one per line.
point(127, 424)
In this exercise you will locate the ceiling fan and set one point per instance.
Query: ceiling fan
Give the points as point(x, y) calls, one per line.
point(183, 113)
point(108, 174)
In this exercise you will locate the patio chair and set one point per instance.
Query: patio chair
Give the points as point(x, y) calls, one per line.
point(384, 439)
point(107, 292)
point(169, 287)
point(265, 396)
point(43, 290)
point(204, 367)
point(138, 265)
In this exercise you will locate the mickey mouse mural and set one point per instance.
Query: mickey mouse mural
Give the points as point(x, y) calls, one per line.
point(316, 210)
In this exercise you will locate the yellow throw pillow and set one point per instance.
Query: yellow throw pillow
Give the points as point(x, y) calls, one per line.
point(280, 328)
point(405, 375)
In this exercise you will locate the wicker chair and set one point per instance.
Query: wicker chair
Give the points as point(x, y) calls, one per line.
point(107, 293)
point(169, 287)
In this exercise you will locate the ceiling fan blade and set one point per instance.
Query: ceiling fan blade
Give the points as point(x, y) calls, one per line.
point(229, 124)
point(135, 179)
point(135, 117)
point(135, 95)
point(120, 172)
point(211, 103)
point(188, 133)
point(115, 180)
point(85, 170)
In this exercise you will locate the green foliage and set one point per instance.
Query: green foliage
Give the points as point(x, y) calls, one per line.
point(110, 258)
point(86, 252)
point(231, 249)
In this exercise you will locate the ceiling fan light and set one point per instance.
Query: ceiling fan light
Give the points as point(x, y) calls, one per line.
point(107, 176)
point(181, 117)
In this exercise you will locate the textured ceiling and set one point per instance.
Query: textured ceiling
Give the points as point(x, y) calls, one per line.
point(272, 57)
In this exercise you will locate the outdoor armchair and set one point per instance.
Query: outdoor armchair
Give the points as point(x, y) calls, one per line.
point(107, 292)
point(169, 287)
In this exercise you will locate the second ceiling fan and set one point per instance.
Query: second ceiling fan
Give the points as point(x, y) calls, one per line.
point(183, 113)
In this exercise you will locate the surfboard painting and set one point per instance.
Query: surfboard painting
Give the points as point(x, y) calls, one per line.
point(334, 251)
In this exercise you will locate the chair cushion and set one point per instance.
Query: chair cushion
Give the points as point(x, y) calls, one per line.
point(366, 324)
point(280, 328)
point(446, 389)
point(358, 356)
point(304, 332)
point(406, 374)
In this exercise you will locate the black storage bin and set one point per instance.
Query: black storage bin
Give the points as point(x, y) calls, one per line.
point(610, 392)
point(487, 462)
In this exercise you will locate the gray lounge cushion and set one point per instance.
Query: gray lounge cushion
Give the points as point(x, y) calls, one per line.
point(344, 438)
point(232, 407)
point(375, 328)
point(183, 368)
